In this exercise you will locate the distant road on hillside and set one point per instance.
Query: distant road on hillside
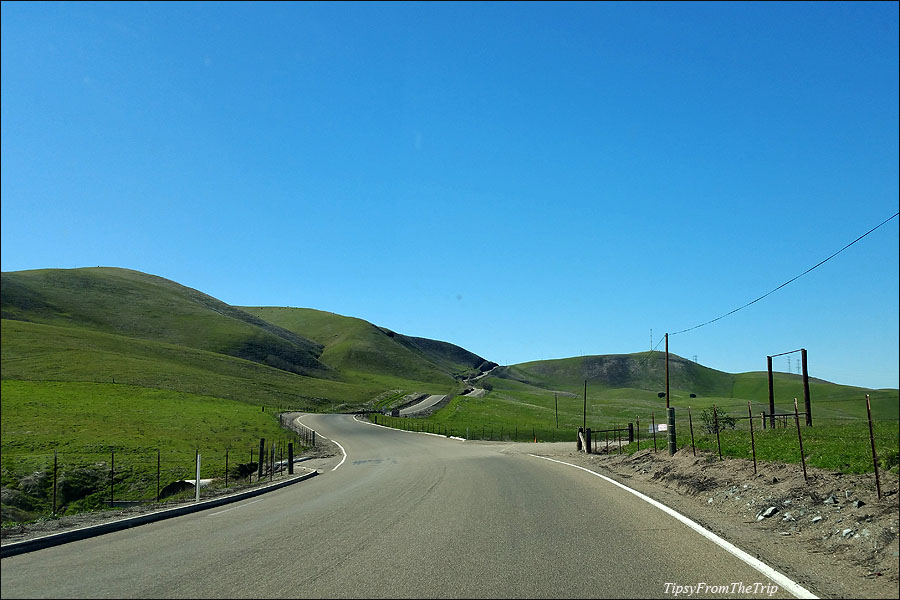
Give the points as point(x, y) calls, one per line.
point(422, 406)
point(404, 515)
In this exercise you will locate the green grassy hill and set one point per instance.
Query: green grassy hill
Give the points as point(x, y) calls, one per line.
point(628, 382)
point(137, 305)
point(355, 346)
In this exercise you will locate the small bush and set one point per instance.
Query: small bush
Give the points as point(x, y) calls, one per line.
point(889, 460)
point(709, 421)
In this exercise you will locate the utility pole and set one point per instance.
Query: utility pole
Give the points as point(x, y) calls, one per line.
point(771, 393)
point(806, 400)
point(667, 370)
point(584, 419)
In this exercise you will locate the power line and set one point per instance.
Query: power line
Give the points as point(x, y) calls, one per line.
point(789, 281)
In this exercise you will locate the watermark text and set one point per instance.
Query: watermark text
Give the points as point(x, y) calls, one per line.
point(738, 587)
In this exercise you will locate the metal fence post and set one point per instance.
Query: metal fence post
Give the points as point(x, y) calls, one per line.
point(671, 419)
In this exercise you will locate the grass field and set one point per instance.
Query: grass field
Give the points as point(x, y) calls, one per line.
point(96, 420)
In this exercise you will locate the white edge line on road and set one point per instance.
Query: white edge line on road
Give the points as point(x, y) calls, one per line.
point(342, 450)
point(325, 438)
point(791, 586)
point(440, 435)
point(234, 507)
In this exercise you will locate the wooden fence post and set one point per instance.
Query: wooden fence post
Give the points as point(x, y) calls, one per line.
point(716, 425)
point(806, 401)
point(800, 439)
point(872, 441)
point(752, 442)
point(691, 425)
point(54, 480)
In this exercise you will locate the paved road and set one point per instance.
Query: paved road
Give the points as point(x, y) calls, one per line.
point(424, 405)
point(404, 515)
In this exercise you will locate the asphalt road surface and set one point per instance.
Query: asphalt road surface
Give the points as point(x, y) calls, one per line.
point(425, 404)
point(403, 515)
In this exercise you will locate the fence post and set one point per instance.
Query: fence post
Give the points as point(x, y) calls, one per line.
point(771, 393)
point(716, 424)
point(197, 480)
point(872, 441)
point(752, 442)
point(806, 401)
point(262, 455)
point(587, 440)
point(672, 442)
point(578, 435)
point(619, 437)
point(631, 432)
point(638, 432)
point(290, 458)
point(653, 423)
point(54, 480)
point(691, 425)
point(799, 438)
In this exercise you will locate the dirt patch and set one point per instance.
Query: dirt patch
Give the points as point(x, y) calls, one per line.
point(830, 533)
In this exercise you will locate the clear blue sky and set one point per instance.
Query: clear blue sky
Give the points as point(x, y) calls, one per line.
point(528, 181)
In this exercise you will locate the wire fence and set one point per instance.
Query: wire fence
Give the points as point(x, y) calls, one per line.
point(73, 481)
point(846, 444)
point(496, 431)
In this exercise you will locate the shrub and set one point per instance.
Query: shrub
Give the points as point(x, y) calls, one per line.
point(709, 421)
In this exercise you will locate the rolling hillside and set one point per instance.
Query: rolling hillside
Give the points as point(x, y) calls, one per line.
point(636, 380)
point(137, 305)
point(355, 346)
point(109, 325)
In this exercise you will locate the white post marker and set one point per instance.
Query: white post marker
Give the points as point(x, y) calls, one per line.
point(197, 480)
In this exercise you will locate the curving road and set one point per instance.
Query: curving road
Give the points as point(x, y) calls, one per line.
point(402, 515)
point(422, 406)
